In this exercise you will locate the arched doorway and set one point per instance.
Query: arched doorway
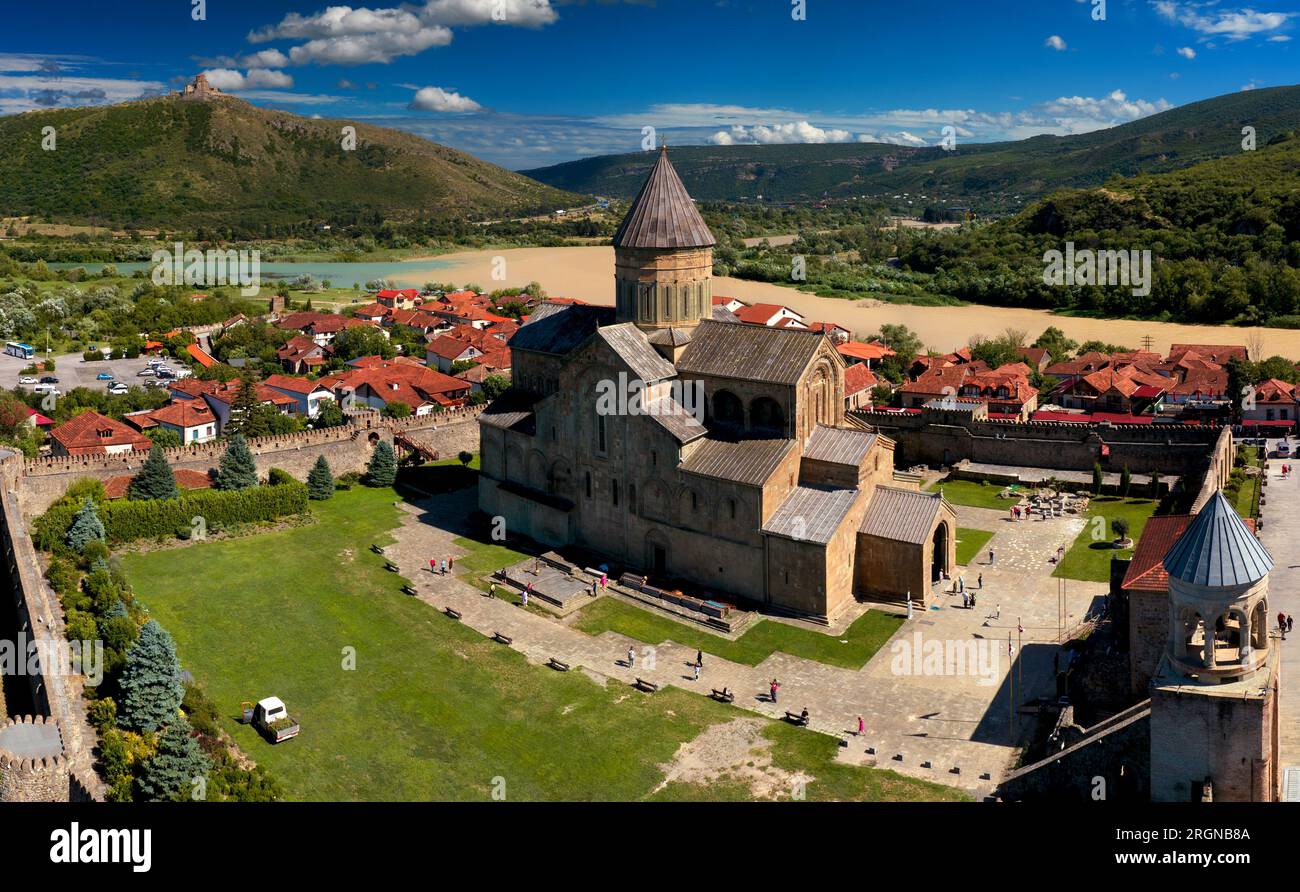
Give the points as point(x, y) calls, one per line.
point(939, 557)
point(656, 553)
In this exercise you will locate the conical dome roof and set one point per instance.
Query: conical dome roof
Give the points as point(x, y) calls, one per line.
point(1218, 550)
point(663, 215)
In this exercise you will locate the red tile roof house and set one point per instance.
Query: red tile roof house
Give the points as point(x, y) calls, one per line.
point(93, 434)
point(321, 327)
point(398, 299)
point(766, 314)
point(446, 350)
point(307, 394)
point(730, 303)
point(219, 400)
point(300, 354)
point(837, 333)
point(1275, 400)
point(858, 383)
point(422, 389)
point(193, 420)
point(871, 352)
point(375, 312)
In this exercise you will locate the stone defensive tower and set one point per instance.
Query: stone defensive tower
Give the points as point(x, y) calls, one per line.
point(32, 765)
point(663, 261)
point(1214, 698)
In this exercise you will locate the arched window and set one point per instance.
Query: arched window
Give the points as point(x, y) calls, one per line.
point(614, 491)
point(587, 476)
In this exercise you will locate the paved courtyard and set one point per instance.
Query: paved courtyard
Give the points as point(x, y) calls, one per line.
point(1281, 514)
point(923, 717)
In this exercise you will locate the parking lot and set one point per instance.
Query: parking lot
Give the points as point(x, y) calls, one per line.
point(72, 371)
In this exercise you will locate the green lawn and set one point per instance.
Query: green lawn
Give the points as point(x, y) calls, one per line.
point(432, 710)
point(974, 495)
point(851, 650)
point(971, 542)
point(1088, 559)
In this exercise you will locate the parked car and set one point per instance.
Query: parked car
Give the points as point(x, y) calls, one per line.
point(26, 379)
point(145, 373)
point(166, 374)
point(117, 388)
point(49, 379)
point(103, 376)
point(47, 389)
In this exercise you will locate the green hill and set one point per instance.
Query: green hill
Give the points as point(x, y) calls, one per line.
point(168, 162)
point(988, 175)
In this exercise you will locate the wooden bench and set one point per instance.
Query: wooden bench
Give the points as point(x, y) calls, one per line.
point(797, 718)
point(377, 549)
point(390, 567)
point(648, 686)
point(723, 696)
point(452, 612)
point(503, 638)
point(558, 665)
point(409, 590)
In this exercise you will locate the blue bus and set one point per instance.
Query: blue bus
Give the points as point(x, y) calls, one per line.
point(17, 348)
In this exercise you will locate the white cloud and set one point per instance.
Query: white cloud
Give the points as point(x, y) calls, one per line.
point(437, 99)
point(1230, 24)
point(779, 134)
point(268, 58)
point(1055, 42)
point(24, 92)
point(229, 79)
point(1187, 52)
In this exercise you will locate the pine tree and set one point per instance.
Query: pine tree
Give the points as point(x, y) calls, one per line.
point(382, 467)
point(242, 406)
point(170, 775)
point(86, 527)
point(320, 482)
point(236, 469)
point(155, 480)
point(151, 682)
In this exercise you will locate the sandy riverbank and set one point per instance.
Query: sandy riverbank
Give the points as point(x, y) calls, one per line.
point(587, 273)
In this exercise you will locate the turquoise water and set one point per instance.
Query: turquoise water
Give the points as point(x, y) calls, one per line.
point(340, 275)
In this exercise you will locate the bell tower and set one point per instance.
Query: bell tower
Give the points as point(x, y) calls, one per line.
point(1214, 698)
point(663, 258)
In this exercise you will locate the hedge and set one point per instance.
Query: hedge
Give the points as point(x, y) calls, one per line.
point(125, 521)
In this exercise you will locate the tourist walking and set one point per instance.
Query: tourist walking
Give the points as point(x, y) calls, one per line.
point(451, 562)
point(861, 727)
point(1281, 624)
point(593, 588)
point(965, 600)
point(492, 590)
point(773, 688)
point(699, 658)
point(991, 556)
point(444, 566)
point(981, 582)
point(696, 669)
point(433, 565)
point(631, 658)
point(528, 590)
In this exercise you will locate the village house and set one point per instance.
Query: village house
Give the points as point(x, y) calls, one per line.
point(378, 383)
point(90, 433)
point(769, 315)
point(301, 355)
point(398, 299)
point(872, 353)
point(192, 420)
point(1272, 400)
point(307, 395)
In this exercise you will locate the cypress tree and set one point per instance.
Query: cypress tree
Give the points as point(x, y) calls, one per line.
point(170, 774)
point(244, 403)
point(151, 682)
point(1097, 478)
point(382, 468)
point(320, 482)
point(86, 527)
point(155, 480)
point(1125, 482)
point(236, 469)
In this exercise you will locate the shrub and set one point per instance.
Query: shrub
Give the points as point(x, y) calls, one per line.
point(169, 776)
point(86, 527)
point(1120, 527)
point(278, 477)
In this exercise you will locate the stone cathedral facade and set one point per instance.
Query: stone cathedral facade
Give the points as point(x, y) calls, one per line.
point(724, 463)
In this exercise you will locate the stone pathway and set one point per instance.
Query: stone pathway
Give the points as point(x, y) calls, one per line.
point(922, 718)
point(1281, 513)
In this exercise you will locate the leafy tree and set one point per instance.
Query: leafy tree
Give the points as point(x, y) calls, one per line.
point(155, 480)
point(1120, 527)
point(237, 469)
point(397, 409)
point(1057, 345)
point(151, 682)
point(330, 414)
point(320, 482)
point(465, 457)
point(381, 470)
point(86, 527)
point(494, 385)
point(164, 437)
point(364, 340)
point(170, 775)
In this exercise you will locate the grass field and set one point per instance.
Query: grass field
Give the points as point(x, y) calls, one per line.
point(860, 641)
point(972, 494)
point(1088, 558)
point(432, 710)
point(971, 542)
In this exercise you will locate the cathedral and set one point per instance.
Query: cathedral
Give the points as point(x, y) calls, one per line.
point(671, 439)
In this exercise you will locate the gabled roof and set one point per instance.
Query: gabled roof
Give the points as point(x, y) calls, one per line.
point(903, 515)
point(858, 377)
point(1146, 572)
point(811, 513)
point(747, 352)
point(184, 414)
point(293, 384)
point(199, 356)
point(558, 328)
point(663, 215)
point(868, 351)
point(749, 462)
point(1218, 550)
point(627, 341)
point(838, 445)
point(91, 432)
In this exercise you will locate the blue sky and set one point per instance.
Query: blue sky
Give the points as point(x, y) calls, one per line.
point(526, 83)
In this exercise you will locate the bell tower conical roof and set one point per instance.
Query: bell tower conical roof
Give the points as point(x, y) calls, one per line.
point(1218, 550)
point(663, 215)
